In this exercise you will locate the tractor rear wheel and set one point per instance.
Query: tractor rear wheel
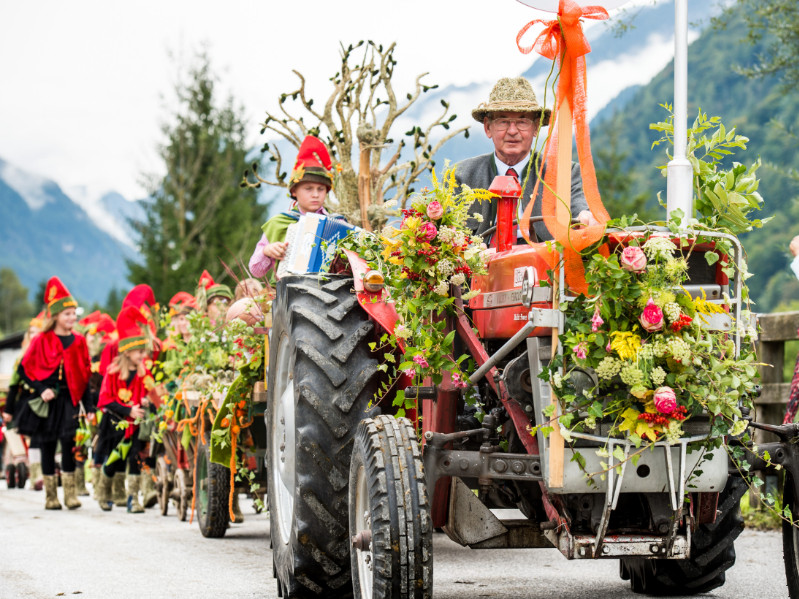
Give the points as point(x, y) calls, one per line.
point(390, 525)
point(712, 554)
point(322, 377)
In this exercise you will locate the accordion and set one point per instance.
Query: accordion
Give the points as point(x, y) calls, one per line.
point(312, 243)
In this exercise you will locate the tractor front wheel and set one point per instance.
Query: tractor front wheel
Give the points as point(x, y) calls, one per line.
point(390, 525)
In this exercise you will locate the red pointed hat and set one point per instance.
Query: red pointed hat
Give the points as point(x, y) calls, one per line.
point(57, 297)
point(140, 296)
point(313, 164)
point(105, 324)
point(89, 319)
point(182, 302)
point(131, 332)
point(212, 288)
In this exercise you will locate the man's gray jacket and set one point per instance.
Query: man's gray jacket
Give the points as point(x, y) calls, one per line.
point(479, 172)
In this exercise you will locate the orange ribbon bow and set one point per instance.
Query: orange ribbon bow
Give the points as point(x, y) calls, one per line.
point(563, 40)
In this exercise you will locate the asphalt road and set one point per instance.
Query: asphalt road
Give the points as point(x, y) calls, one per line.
point(91, 554)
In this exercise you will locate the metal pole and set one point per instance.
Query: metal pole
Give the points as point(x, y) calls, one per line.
point(679, 173)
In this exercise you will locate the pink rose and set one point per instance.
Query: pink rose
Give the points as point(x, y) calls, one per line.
point(652, 317)
point(596, 321)
point(409, 372)
point(435, 210)
point(665, 400)
point(428, 231)
point(633, 259)
point(459, 382)
point(580, 351)
point(420, 360)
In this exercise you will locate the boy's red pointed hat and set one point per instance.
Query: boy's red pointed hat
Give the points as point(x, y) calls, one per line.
point(313, 163)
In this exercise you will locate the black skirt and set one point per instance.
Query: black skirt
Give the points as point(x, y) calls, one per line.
point(61, 421)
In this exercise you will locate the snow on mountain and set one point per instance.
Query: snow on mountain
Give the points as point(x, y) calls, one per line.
point(31, 188)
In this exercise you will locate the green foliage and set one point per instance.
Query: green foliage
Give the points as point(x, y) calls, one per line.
point(16, 309)
point(724, 198)
point(774, 33)
point(197, 214)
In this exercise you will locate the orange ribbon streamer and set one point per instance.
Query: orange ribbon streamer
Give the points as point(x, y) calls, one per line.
point(563, 40)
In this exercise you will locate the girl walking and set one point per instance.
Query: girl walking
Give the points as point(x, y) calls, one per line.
point(56, 370)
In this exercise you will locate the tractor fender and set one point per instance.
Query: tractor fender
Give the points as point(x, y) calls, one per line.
point(377, 305)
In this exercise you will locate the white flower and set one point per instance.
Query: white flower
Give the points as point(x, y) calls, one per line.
point(389, 204)
point(478, 217)
point(458, 279)
point(442, 288)
point(445, 267)
point(659, 247)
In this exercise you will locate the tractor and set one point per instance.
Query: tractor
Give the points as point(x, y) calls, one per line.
point(356, 493)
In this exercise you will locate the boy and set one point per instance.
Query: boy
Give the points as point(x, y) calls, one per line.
point(310, 182)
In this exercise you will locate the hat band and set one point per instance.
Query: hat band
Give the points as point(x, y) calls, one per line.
point(61, 304)
point(219, 290)
point(131, 343)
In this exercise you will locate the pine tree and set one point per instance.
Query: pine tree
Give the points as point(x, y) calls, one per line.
point(197, 214)
point(16, 309)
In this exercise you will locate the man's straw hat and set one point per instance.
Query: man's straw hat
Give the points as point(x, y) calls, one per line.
point(512, 94)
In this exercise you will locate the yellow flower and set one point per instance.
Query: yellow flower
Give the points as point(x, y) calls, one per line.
point(149, 383)
point(403, 275)
point(625, 344)
point(125, 395)
point(412, 223)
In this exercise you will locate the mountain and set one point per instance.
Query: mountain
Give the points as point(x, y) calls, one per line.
point(760, 109)
point(44, 233)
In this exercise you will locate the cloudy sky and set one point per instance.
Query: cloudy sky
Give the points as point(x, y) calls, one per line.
point(85, 83)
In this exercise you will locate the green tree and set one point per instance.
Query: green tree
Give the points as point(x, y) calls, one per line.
point(616, 179)
point(197, 214)
point(17, 310)
point(774, 27)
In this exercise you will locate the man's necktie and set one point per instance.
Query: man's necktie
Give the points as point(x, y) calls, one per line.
point(512, 173)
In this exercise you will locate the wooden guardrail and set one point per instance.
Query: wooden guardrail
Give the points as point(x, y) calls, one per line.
point(775, 330)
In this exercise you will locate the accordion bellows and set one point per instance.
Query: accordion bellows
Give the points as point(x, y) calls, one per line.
point(312, 241)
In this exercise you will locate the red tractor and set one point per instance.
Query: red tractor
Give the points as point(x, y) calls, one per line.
point(355, 493)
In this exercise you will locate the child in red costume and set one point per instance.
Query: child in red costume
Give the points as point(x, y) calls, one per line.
point(56, 368)
point(123, 397)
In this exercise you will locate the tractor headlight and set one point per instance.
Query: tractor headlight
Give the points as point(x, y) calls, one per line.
point(373, 281)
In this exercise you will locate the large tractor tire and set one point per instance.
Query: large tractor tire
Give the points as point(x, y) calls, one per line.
point(322, 378)
point(211, 491)
point(390, 523)
point(712, 554)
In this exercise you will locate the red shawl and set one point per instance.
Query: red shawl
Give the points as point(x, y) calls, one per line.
point(46, 353)
point(116, 390)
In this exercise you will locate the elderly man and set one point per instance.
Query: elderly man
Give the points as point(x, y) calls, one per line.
point(511, 119)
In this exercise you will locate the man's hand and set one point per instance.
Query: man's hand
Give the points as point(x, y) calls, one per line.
point(586, 218)
point(7, 417)
point(795, 246)
point(276, 250)
point(136, 412)
point(48, 395)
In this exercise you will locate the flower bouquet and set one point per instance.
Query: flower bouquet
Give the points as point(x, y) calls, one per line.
point(422, 259)
point(639, 358)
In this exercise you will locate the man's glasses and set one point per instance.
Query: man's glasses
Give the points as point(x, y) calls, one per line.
point(523, 125)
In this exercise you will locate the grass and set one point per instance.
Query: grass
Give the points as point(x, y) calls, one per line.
point(762, 517)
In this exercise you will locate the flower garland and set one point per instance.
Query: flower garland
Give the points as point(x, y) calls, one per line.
point(640, 334)
point(431, 251)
